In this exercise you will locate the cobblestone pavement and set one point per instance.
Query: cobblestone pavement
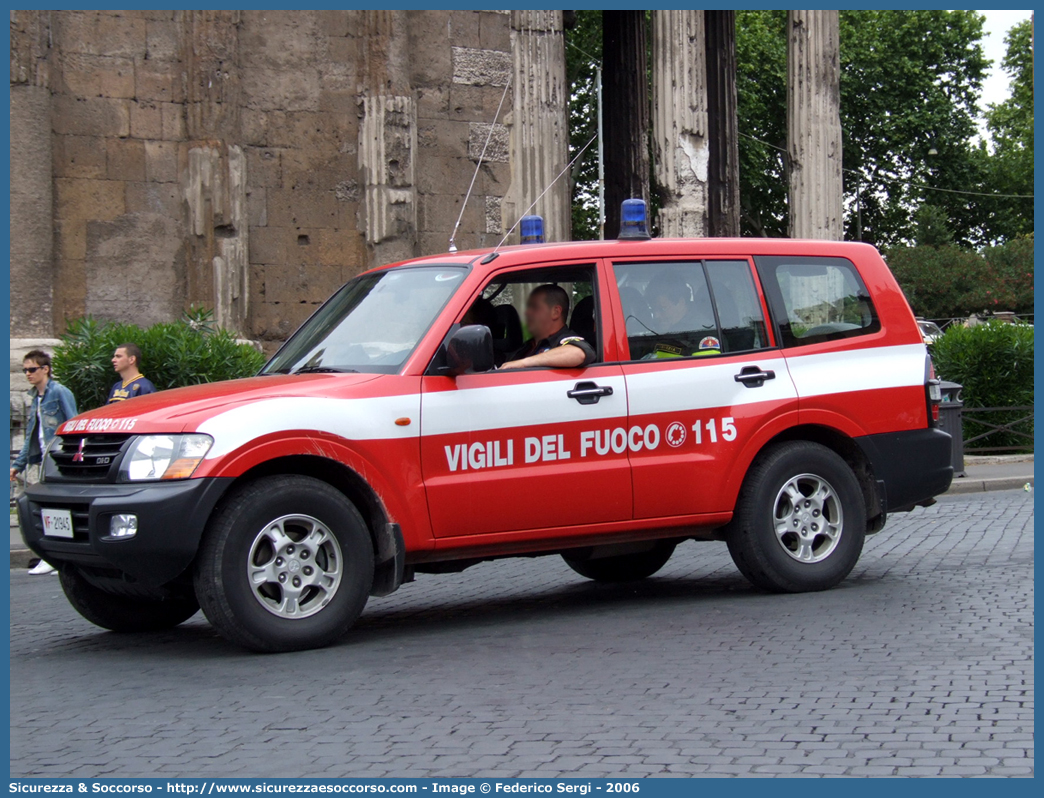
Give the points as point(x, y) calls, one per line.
point(919, 664)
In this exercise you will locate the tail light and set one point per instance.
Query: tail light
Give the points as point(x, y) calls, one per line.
point(932, 392)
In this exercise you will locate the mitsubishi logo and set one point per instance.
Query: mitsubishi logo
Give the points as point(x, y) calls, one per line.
point(78, 457)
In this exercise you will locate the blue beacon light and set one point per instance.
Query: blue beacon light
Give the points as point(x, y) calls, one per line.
point(633, 223)
point(531, 230)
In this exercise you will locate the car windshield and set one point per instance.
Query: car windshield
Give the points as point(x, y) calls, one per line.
point(372, 324)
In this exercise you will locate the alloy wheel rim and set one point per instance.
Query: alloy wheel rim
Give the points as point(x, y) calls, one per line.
point(294, 567)
point(807, 518)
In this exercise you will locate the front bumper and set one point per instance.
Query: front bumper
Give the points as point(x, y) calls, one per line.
point(910, 467)
point(171, 519)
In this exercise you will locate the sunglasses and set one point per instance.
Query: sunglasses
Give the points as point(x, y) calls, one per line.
point(32, 370)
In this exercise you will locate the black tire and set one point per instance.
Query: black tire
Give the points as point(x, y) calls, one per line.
point(249, 617)
point(124, 613)
point(770, 560)
point(623, 567)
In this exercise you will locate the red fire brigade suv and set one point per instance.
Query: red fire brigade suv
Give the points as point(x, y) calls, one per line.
point(786, 408)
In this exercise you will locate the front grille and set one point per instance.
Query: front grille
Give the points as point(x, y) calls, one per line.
point(88, 456)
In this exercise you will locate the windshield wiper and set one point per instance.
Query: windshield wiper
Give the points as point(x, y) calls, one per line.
point(324, 370)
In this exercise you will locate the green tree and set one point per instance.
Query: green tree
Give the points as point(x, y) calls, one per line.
point(1011, 126)
point(943, 281)
point(761, 88)
point(583, 57)
point(933, 227)
point(910, 82)
point(939, 282)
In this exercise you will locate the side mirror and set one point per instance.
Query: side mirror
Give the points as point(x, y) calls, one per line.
point(470, 350)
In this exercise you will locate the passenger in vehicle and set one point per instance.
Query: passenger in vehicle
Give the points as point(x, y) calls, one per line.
point(553, 343)
point(680, 311)
point(675, 308)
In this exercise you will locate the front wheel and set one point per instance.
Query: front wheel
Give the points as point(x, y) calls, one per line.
point(123, 613)
point(800, 520)
point(623, 567)
point(285, 565)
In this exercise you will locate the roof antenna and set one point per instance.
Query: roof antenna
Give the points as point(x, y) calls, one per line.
point(568, 166)
point(482, 155)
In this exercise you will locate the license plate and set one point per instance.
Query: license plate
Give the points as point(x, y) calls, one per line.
point(57, 523)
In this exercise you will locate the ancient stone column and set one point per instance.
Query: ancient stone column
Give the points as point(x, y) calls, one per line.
point(387, 148)
point(214, 186)
point(681, 151)
point(213, 167)
point(625, 104)
point(539, 123)
point(723, 199)
point(814, 124)
point(388, 139)
point(32, 211)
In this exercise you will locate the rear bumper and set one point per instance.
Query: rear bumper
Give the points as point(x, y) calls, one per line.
point(171, 519)
point(910, 467)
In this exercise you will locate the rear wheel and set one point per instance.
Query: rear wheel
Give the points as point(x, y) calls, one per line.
point(123, 613)
point(285, 565)
point(800, 520)
point(622, 567)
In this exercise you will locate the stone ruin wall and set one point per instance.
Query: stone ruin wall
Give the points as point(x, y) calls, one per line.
point(254, 161)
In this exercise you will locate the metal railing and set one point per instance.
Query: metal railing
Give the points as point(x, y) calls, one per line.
point(999, 429)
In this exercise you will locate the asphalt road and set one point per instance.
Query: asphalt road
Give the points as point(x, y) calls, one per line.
point(919, 664)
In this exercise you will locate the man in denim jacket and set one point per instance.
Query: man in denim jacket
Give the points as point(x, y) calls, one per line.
point(53, 405)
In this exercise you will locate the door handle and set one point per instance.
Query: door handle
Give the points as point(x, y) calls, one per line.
point(588, 393)
point(754, 377)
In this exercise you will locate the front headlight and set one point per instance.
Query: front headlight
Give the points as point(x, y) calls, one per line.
point(165, 457)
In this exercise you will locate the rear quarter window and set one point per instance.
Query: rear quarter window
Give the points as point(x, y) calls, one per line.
point(817, 299)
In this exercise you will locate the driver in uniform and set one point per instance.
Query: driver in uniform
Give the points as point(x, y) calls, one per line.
point(553, 344)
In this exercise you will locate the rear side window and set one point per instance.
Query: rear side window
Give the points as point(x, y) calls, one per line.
point(690, 309)
point(817, 299)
